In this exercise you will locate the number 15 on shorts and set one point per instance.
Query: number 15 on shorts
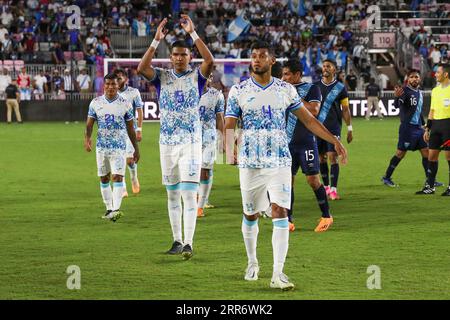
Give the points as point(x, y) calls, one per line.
point(309, 155)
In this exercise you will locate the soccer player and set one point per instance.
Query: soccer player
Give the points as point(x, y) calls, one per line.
point(303, 144)
point(134, 96)
point(410, 102)
point(179, 91)
point(212, 104)
point(264, 158)
point(334, 97)
point(437, 133)
point(114, 116)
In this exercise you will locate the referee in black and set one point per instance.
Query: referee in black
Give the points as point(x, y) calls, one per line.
point(437, 133)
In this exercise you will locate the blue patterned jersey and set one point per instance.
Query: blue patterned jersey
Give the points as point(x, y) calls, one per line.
point(211, 103)
point(179, 95)
point(296, 130)
point(111, 117)
point(333, 94)
point(264, 142)
point(134, 96)
point(411, 105)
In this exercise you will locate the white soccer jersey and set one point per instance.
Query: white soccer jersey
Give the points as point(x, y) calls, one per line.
point(179, 95)
point(211, 103)
point(264, 142)
point(111, 116)
point(134, 96)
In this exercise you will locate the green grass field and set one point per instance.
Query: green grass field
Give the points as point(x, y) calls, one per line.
point(50, 208)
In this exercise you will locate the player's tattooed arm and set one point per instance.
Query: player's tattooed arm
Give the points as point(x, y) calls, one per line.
point(132, 136)
point(88, 134)
point(144, 67)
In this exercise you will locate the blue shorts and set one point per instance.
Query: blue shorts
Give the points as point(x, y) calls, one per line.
point(305, 156)
point(410, 137)
point(325, 146)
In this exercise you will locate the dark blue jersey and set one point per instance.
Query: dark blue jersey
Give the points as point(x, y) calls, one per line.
point(296, 130)
point(333, 95)
point(411, 105)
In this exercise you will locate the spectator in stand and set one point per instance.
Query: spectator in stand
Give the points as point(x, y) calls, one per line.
point(98, 84)
point(383, 81)
point(57, 86)
point(68, 83)
point(351, 81)
point(84, 81)
point(357, 54)
point(24, 82)
point(40, 85)
point(5, 80)
point(140, 27)
point(434, 56)
point(3, 31)
point(6, 47)
point(134, 79)
point(57, 54)
point(30, 47)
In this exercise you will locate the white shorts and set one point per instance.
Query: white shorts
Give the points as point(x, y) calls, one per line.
point(208, 156)
point(130, 149)
point(257, 185)
point(114, 164)
point(180, 163)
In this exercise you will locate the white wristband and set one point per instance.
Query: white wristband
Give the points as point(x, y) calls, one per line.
point(138, 129)
point(349, 128)
point(155, 43)
point(194, 36)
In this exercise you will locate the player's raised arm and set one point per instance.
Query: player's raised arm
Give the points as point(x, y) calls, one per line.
point(314, 125)
point(208, 59)
point(144, 67)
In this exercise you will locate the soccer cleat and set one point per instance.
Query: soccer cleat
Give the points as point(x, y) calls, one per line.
point(200, 213)
point(426, 190)
point(135, 186)
point(291, 227)
point(281, 282)
point(115, 215)
point(209, 206)
point(187, 253)
point(438, 184)
point(327, 190)
point(446, 192)
point(177, 247)
point(251, 273)
point(388, 182)
point(107, 215)
point(324, 224)
point(334, 195)
point(125, 194)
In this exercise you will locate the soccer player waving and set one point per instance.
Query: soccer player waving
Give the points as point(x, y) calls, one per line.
point(264, 158)
point(179, 91)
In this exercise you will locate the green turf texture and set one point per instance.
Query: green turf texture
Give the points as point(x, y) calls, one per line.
point(50, 209)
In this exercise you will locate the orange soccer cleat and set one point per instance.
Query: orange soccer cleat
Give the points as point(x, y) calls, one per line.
point(291, 227)
point(200, 213)
point(324, 224)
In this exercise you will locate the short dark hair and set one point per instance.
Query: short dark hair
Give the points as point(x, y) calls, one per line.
point(410, 72)
point(180, 44)
point(110, 76)
point(120, 70)
point(294, 66)
point(332, 62)
point(262, 45)
point(277, 70)
point(445, 67)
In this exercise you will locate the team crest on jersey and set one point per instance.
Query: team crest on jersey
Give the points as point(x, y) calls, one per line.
point(179, 96)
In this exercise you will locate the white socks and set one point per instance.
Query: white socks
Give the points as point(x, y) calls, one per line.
point(189, 195)
point(280, 244)
point(107, 195)
point(203, 192)
point(133, 171)
point(174, 207)
point(250, 232)
point(117, 194)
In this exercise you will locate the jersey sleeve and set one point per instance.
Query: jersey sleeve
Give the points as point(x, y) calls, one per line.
point(220, 105)
point(433, 100)
point(314, 94)
point(91, 111)
point(343, 98)
point(138, 103)
point(129, 113)
point(293, 99)
point(201, 81)
point(233, 108)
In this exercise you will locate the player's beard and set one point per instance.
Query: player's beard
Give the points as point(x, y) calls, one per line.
point(261, 71)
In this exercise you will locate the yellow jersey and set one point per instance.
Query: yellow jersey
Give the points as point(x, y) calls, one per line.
point(440, 102)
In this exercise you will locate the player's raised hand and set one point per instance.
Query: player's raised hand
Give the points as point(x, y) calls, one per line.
point(160, 31)
point(349, 136)
point(187, 24)
point(341, 151)
point(398, 91)
point(88, 145)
